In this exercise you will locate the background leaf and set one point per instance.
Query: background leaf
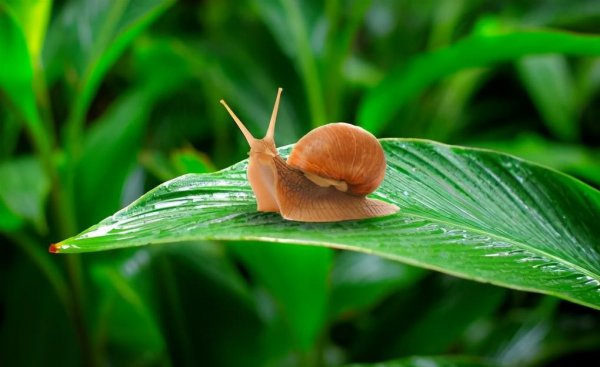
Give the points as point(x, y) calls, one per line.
point(88, 38)
point(116, 137)
point(221, 317)
point(549, 82)
point(33, 16)
point(408, 81)
point(478, 214)
point(359, 281)
point(127, 323)
point(16, 76)
point(299, 286)
point(430, 362)
point(24, 189)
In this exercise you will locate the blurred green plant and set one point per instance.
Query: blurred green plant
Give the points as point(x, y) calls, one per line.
point(102, 101)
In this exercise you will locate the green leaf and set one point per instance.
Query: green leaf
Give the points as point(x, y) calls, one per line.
point(408, 81)
point(10, 129)
point(191, 161)
point(35, 324)
point(445, 305)
point(217, 324)
point(16, 75)
point(88, 37)
point(429, 362)
point(450, 314)
point(358, 281)
point(294, 24)
point(525, 338)
point(297, 279)
point(550, 85)
point(115, 137)
point(473, 213)
point(33, 16)
point(126, 322)
point(574, 159)
point(24, 189)
point(9, 221)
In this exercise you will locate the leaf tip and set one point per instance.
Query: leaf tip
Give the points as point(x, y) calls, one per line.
point(54, 248)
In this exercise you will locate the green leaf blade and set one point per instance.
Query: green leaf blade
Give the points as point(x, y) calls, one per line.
point(115, 137)
point(17, 75)
point(24, 190)
point(33, 17)
point(88, 38)
point(472, 213)
point(406, 82)
point(418, 361)
point(550, 85)
point(297, 277)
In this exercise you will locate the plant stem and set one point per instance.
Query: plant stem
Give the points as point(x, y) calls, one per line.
point(63, 208)
point(169, 287)
point(74, 268)
point(67, 228)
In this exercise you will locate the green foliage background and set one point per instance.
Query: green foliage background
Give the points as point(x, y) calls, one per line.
point(101, 101)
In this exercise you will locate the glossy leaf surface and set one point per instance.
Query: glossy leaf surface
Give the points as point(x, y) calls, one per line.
point(472, 213)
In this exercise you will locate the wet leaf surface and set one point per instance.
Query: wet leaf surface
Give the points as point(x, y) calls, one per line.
point(471, 213)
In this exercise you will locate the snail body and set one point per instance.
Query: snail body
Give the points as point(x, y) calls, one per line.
point(326, 177)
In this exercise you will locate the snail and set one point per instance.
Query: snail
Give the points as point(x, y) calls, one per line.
point(326, 177)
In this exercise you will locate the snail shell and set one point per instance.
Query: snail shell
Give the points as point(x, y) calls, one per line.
point(341, 152)
point(326, 177)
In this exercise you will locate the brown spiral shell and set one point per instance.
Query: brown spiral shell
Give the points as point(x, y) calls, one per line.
point(343, 152)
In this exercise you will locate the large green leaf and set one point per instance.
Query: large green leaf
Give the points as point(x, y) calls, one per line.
point(472, 213)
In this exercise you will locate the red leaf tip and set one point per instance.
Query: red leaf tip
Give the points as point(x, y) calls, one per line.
point(54, 248)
